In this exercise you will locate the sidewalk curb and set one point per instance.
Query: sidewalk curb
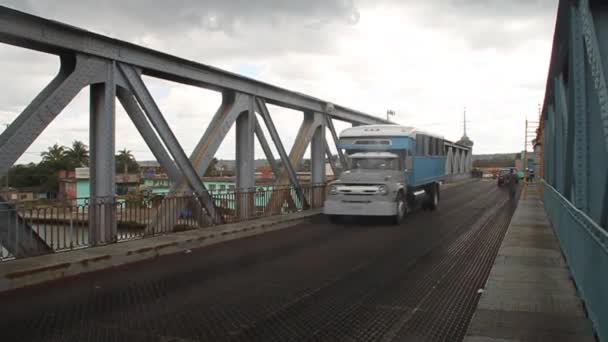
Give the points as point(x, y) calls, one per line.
point(41, 269)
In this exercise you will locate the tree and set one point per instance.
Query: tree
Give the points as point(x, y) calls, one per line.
point(305, 166)
point(78, 154)
point(210, 172)
point(125, 162)
point(55, 155)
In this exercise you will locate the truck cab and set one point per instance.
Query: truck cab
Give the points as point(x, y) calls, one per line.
point(390, 170)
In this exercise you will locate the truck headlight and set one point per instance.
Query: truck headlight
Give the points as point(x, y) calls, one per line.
point(333, 190)
point(382, 190)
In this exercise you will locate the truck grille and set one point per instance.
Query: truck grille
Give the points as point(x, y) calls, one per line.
point(358, 189)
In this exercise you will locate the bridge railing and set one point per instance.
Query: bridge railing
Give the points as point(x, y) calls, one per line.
point(573, 134)
point(65, 225)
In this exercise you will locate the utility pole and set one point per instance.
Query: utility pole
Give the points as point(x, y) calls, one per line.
point(389, 113)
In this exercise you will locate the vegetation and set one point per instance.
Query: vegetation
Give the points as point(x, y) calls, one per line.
point(495, 162)
point(45, 175)
point(125, 162)
point(211, 170)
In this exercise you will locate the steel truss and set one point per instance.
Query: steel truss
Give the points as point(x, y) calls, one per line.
point(112, 69)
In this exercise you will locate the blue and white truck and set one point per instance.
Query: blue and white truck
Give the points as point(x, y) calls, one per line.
point(391, 169)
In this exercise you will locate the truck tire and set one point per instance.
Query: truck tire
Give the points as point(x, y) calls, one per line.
point(401, 204)
point(433, 199)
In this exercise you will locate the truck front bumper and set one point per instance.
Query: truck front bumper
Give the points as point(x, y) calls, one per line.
point(359, 206)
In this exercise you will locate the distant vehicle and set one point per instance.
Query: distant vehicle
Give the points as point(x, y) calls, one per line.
point(504, 176)
point(391, 169)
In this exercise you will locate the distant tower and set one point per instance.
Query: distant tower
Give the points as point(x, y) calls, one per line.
point(465, 139)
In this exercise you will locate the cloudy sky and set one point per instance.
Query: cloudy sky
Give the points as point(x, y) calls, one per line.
point(426, 60)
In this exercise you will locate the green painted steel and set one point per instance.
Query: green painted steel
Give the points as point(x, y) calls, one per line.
point(575, 149)
point(585, 245)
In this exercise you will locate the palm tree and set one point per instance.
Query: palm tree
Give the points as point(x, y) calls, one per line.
point(125, 161)
point(211, 169)
point(78, 154)
point(54, 155)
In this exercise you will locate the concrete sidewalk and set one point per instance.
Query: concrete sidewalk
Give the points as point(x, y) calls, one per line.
point(36, 270)
point(529, 295)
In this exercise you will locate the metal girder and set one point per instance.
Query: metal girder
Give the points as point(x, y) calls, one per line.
point(312, 121)
point(245, 159)
point(233, 104)
point(274, 135)
point(456, 164)
point(17, 235)
point(462, 162)
point(553, 128)
point(305, 134)
point(28, 31)
point(102, 218)
point(245, 130)
point(565, 136)
point(578, 109)
point(147, 103)
point(75, 73)
point(147, 132)
point(317, 155)
point(449, 161)
point(334, 135)
point(317, 165)
point(266, 148)
point(594, 60)
point(599, 182)
point(330, 159)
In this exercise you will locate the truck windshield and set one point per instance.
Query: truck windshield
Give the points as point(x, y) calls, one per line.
point(376, 164)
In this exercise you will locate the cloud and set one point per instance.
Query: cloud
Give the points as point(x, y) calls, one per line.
point(426, 60)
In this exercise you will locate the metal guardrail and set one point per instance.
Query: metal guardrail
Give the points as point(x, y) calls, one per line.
point(585, 246)
point(65, 226)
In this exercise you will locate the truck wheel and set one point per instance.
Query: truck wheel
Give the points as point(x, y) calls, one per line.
point(433, 200)
point(401, 204)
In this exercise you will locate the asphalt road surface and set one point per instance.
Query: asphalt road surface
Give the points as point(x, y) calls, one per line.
point(361, 280)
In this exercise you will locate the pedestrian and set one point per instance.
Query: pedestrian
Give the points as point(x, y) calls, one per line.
point(531, 175)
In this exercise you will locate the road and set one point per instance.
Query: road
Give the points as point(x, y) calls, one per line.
point(361, 280)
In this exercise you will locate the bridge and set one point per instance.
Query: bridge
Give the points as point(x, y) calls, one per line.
point(264, 265)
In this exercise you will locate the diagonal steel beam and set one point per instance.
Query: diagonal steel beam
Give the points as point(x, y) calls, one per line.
point(307, 130)
point(288, 168)
point(334, 135)
point(139, 89)
point(75, 73)
point(233, 104)
point(311, 123)
point(561, 107)
point(147, 132)
point(578, 111)
point(266, 148)
point(594, 58)
point(330, 159)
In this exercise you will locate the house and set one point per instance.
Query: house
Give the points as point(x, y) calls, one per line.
point(24, 194)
